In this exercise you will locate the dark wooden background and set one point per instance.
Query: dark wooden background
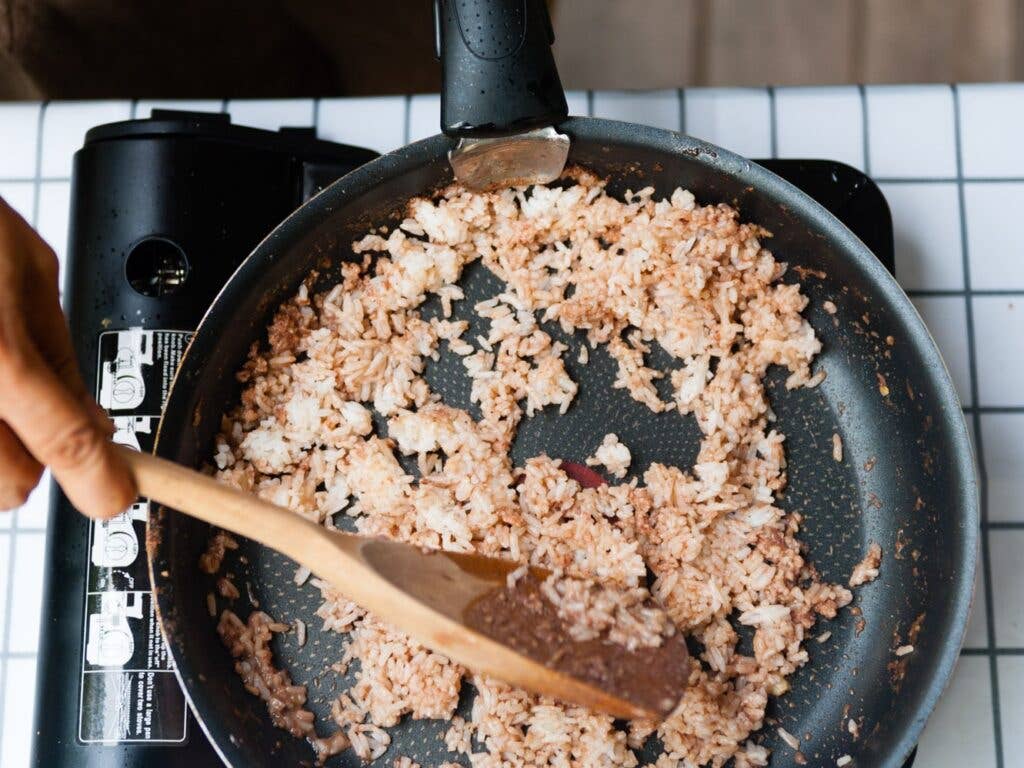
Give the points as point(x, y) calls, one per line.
point(664, 43)
point(264, 48)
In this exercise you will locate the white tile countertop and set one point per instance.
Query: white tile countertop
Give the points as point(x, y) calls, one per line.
point(951, 164)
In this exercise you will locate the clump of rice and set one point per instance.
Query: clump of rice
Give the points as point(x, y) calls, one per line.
point(627, 617)
point(628, 274)
point(613, 455)
point(249, 644)
point(867, 569)
point(218, 545)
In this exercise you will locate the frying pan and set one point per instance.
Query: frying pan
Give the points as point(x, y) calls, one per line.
point(907, 480)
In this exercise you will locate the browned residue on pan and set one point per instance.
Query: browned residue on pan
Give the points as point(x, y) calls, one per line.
point(898, 666)
point(899, 545)
point(153, 529)
point(806, 272)
point(915, 629)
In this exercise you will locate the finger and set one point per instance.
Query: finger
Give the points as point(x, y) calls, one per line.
point(12, 217)
point(59, 430)
point(44, 317)
point(100, 417)
point(21, 472)
point(50, 330)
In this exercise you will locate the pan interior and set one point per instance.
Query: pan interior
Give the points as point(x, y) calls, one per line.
point(900, 483)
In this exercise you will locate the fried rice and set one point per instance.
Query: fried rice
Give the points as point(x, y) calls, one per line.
point(629, 273)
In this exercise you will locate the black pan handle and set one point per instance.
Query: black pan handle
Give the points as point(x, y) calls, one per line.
point(498, 74)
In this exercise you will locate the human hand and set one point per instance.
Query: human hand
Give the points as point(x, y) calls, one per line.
point(47, 416)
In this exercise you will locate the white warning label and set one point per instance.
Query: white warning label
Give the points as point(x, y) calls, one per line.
point(128, 689)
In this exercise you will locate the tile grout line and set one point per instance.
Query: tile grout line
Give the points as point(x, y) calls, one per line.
point(996, 652)
point(865, 140)
point(773, 125)
point(950, 180)
point(590, 103)
point(986, 561)
point(13, 540)
point(316, 117)
point(32, 179)
point(22, 655)
point(681, 98)
point(408, 118)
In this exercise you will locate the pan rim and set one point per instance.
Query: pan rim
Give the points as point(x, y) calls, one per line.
point(718, 160)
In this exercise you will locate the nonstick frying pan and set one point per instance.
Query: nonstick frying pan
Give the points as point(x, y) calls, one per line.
point(907, 479)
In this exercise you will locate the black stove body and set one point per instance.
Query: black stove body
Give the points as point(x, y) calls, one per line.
point(162, 212)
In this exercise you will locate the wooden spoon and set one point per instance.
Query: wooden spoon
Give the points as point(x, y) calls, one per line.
point(436, 598)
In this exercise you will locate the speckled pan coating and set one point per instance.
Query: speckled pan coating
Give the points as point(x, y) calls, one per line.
point(906, 480)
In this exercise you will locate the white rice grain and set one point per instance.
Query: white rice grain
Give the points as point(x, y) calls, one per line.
point(789, 738)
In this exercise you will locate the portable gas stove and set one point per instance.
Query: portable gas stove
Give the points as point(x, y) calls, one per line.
point(162, 212)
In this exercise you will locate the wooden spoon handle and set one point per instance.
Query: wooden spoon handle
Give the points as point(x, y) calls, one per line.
point(202, 497)
point(342, 560)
